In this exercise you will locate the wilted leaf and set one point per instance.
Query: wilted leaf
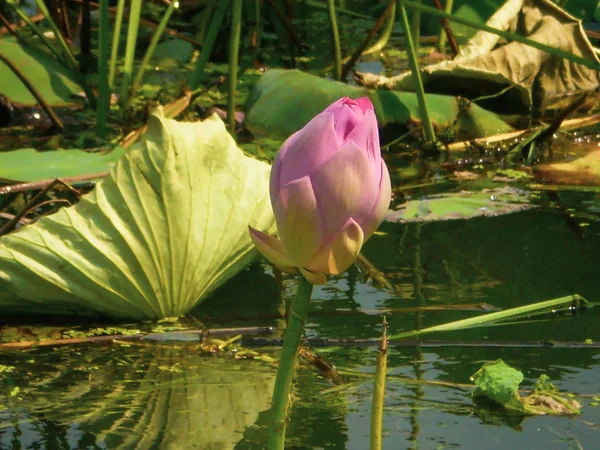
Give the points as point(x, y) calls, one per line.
point(166, 227)
point(499, 382)
point(462, 205)
point(536, 79)
point(51, 78)
point(283, 101)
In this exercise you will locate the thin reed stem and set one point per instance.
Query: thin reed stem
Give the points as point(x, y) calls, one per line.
point(115, 43)
point(379, 391)
point(132, 32)
point(337, 49)
point(103, 55)
point(418, 82)
point(234, 47)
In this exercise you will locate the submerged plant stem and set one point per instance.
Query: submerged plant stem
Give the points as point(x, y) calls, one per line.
point(234, 48)
point(414, 68)
point(337, 49)
point(285, 372)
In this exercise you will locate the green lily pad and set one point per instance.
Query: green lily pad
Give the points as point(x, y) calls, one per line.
point(283, 101)
point(462, 205)
point(499, 382)
point(16, 164)
point(160, 233)
point(55, 82)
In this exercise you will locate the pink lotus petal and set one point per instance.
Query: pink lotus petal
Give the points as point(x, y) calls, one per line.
point(304, 151)
point(298, 221)
point(313, 278)
point(366, 136)
point(271, 248)
point(341, 252)
point(381, 206)
point(345, 187)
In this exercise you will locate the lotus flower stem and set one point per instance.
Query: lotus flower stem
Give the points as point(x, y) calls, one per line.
point(379, 391)
point(115, 43)
point(336, 40)
point(132, 32)
point(414, 67)
point(103, 84)
point(152, 47)
point(587, 62)
point(234, 48)
point(446, 33)
point(208, 43)
point(285, 372)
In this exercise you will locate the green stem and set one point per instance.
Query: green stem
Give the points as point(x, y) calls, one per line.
point(234, 47)
point(152, 47)
point(337, 49)
point(103, 85)
point(208, 44)
point(443, 38)
point(285, 372)
point(379, 391)
point(414, 68)
point(67, 53)
point(132, 32)
point(415, 27)
point(592, 64)
point(115, 43)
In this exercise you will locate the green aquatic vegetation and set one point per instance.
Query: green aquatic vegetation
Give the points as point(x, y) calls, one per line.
point(499, 382)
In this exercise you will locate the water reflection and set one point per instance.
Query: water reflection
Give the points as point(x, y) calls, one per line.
point(122, 397)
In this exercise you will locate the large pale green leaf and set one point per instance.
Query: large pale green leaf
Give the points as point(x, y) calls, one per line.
point(161, 232)
point(53, 80)
point(17, 164)
point(283, 101)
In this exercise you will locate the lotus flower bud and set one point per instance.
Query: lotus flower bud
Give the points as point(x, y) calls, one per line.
point(330, 189)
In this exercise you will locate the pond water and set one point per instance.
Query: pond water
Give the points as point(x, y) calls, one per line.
point(144, 395)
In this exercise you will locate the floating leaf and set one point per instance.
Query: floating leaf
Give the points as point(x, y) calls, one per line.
point(283, 101)
point(16, 164)
point(53, 80)
point(583, 171)
point(167, 227)
point(499, 382)
point(462, 205)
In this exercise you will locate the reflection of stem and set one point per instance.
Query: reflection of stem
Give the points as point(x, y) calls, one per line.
point(285, 372)
point(45, 106)
point(379, 391)
point(420, 302)
point(337, 74)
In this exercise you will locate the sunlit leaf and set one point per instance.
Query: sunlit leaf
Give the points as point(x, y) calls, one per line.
point(283, 101)
point(166, 227)
point(53, 80)
point(583, 171)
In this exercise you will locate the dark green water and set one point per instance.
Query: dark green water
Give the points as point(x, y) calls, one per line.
point(144, 396)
